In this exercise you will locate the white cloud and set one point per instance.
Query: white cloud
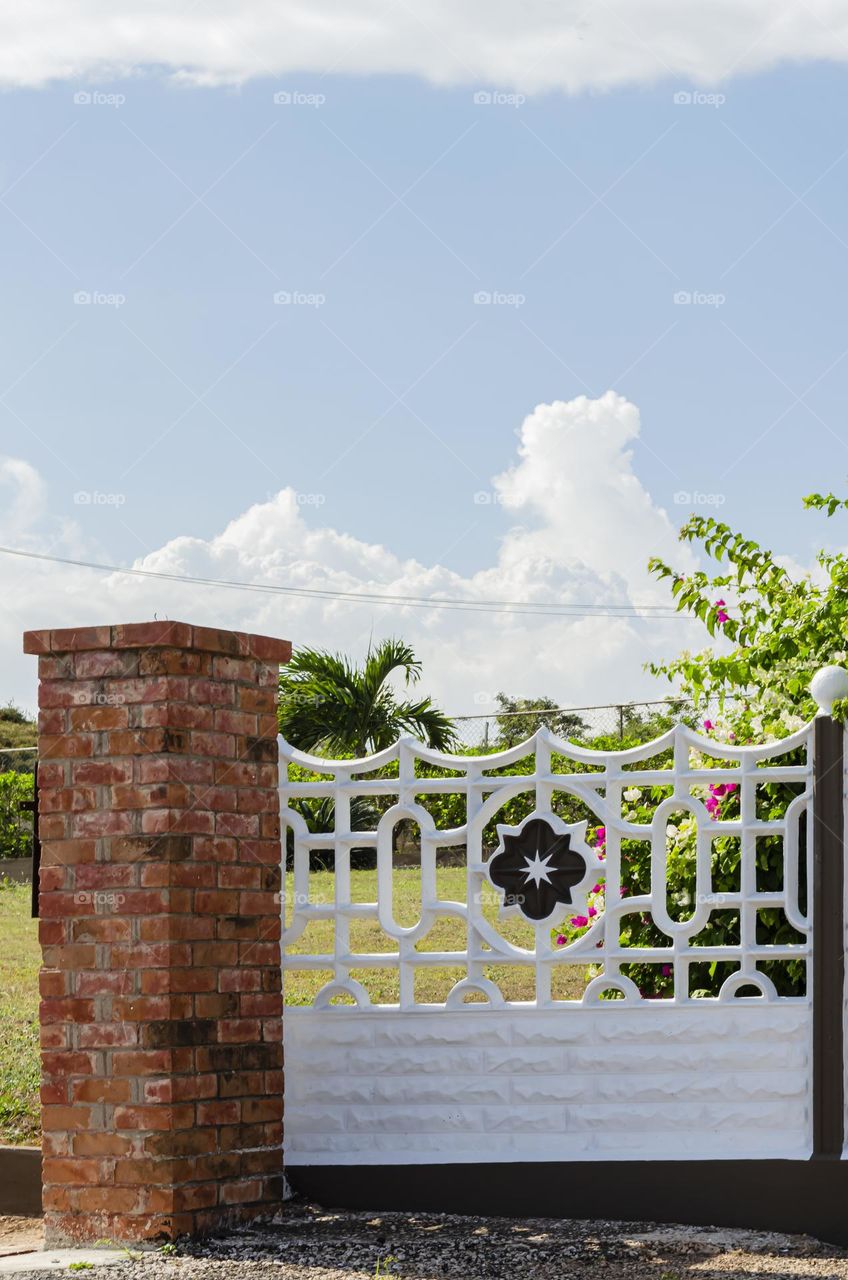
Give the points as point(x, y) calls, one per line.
point(528, 47)
point(587, 527)
point(22, 496)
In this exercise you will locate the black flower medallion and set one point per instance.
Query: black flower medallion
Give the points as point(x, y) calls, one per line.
point(536, 867)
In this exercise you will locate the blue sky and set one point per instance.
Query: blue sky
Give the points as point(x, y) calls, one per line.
point(381, 393)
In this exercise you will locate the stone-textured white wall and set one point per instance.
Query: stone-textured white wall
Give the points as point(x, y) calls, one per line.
point(572, 1084)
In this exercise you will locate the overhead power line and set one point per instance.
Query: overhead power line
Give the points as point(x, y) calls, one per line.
point(526, 607)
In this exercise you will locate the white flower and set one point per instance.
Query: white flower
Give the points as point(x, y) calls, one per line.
point(633, 794)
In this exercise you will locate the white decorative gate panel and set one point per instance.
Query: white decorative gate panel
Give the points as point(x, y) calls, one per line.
point(531, 864)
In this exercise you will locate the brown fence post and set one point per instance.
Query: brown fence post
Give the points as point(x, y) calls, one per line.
point(828, 917)
point(160, 923)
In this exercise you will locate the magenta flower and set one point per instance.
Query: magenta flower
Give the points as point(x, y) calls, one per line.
point(722, 616)
point(597, 888)
point(561, 940)
point(666, 971)
point(708, 726)
point(579, 922)
point(731, 786)
point(593, 911)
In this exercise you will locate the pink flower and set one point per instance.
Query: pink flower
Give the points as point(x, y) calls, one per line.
point(597, 889)
point(601, 835)
point(709, 726)
point(592, 911)
point(579, 922)
point(666, 971)
point(722, 616)
point(622, 891)
point(561, 940)
point(731, 786)
point(717, 788)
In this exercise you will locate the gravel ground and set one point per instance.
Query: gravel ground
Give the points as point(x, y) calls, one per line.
point(306, 1243)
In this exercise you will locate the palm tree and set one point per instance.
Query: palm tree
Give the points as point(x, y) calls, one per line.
point(331, 707)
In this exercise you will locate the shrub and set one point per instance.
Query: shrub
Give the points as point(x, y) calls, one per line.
point(15, 826)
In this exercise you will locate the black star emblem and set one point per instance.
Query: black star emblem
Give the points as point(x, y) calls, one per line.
point(536, 868)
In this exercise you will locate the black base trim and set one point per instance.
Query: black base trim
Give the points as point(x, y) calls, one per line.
point(806, 1196)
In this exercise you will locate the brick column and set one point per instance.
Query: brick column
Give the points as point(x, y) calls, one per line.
point(161, 1012)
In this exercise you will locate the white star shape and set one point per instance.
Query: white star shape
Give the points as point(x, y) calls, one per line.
point(536, 869)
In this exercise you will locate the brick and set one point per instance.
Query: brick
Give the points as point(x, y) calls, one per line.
point(53, 879)
point(168, 662)
point(96, 665)
point(65, 1118)
point(76, 1170)
point(154, 1117)
point(240, 980)
point(233, 643)
point(239, 1192)
point(101, 772)
point(103, 875)
point(212, 744)
point(66, 1009)
point(101, 1144)
point(64, 747)
point(219, 1112)
point(68, 852)
point(54, 721)
point(98, 1090)
point(143, 635)
point(239, 1030)
point(108, 1035)
point(95, 929)
point(107, 823)
point(99, 982)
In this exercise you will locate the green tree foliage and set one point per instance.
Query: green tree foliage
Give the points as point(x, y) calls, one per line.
point(328, 705)
point(15, 827)
point(519, 719)
point(777, 630)
point(16, 731)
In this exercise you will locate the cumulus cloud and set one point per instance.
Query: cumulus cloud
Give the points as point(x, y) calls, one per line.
point(582, 529)
point(529, 47)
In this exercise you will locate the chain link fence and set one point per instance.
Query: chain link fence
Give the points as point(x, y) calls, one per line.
point(621, 721)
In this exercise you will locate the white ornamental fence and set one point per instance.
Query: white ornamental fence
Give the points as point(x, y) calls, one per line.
point(473, 1027)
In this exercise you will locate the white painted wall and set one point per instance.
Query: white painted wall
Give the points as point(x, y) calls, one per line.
point(692, 1082)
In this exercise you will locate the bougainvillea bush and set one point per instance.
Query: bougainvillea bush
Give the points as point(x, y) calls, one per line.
point(774, 631)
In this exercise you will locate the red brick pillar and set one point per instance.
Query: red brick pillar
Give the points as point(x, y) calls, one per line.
point(161, 1012)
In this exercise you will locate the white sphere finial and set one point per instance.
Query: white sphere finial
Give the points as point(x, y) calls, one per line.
point(827, 686)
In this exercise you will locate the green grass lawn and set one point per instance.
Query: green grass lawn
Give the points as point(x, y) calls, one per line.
point(20, 958)
point(432, 984)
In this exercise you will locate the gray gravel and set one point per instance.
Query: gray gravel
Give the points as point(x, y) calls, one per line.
point(306, 1243)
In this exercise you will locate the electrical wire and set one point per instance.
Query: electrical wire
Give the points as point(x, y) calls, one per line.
point(520, 607)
